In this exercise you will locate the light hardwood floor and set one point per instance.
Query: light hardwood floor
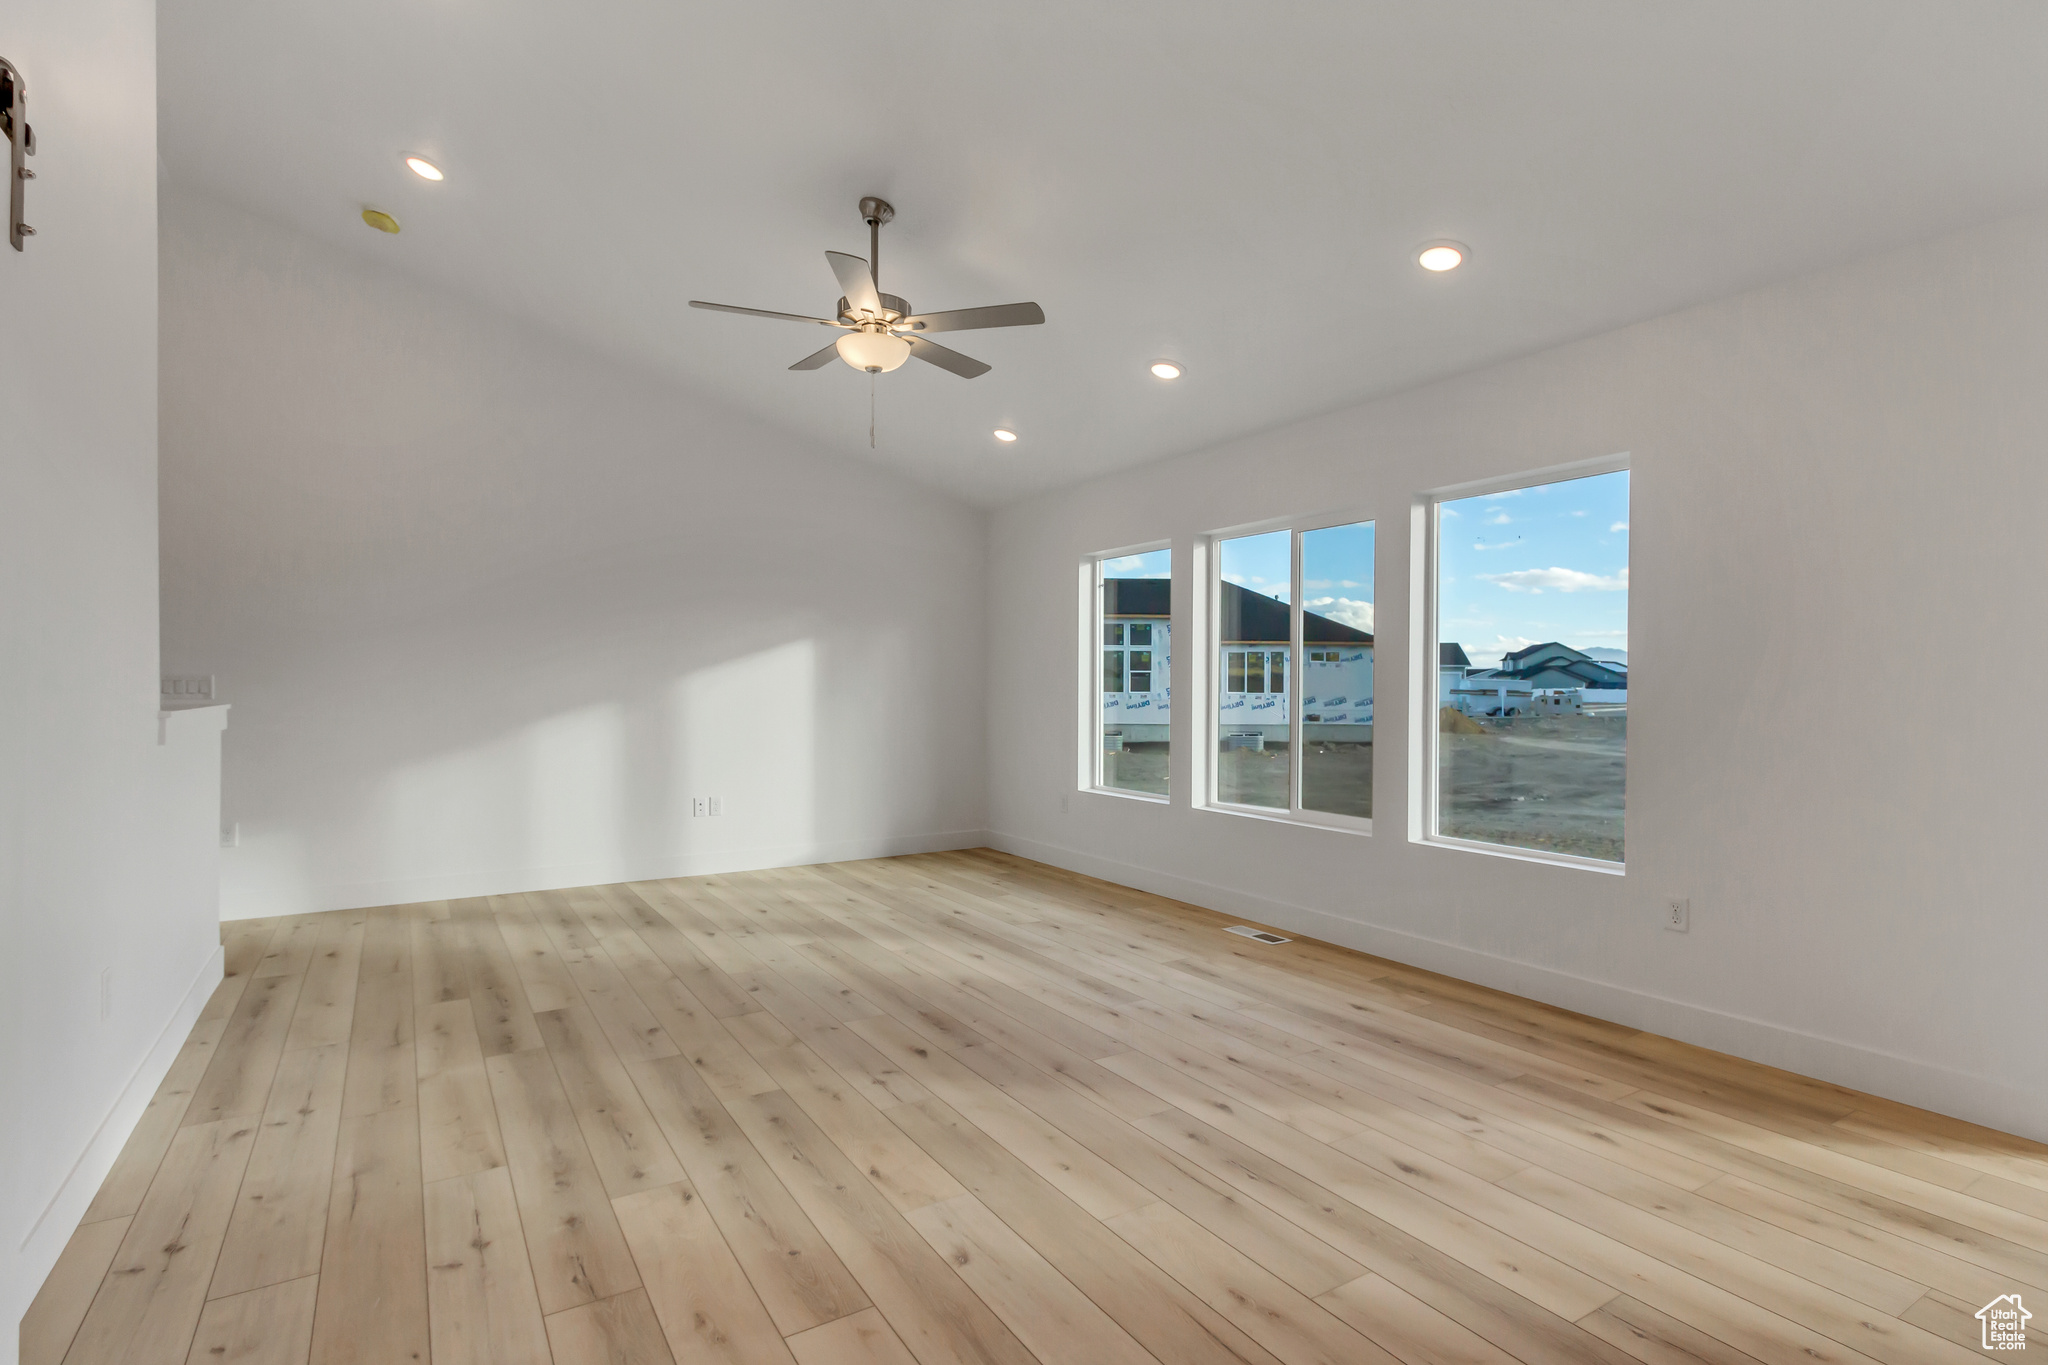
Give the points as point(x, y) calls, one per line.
point(964, 1107)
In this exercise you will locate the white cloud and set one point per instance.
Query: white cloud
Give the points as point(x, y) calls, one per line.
point(1499, 518)
point(1128, 566)
point(1619, 526)
point(1344, 610)
point(1562, 580)
point(1501, 545)
point(1578, 514)
point(1450, 511)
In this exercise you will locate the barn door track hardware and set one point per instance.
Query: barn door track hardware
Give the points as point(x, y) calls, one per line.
point(21, 145)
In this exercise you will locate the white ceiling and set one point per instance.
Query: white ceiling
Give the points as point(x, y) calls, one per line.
point(1238, 186)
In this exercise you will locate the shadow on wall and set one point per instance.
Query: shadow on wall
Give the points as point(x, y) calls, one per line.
point(535, 783)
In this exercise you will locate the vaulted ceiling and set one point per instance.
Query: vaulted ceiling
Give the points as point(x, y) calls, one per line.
point(1239, 187)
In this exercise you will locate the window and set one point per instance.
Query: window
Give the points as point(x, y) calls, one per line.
point(1134, 604)
point(1531, 638)
point(1287, 739)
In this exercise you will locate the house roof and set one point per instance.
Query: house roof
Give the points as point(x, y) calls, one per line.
point(1452, 655)
point(1248, 618)
point(1589, 672)
point(1137, 597)
point(1514, 659)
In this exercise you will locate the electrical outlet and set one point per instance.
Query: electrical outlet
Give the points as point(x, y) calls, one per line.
point(718, 805)
point(1678, 914)
point(700, 805)
point(187, 687)
point(106, 994)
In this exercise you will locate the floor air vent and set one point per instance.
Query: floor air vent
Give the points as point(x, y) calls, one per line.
point(1260, 934)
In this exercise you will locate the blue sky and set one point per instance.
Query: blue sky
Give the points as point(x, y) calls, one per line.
point(1536, 564)
point(1336, 569)
point(1154, 564)
point(1519, 568)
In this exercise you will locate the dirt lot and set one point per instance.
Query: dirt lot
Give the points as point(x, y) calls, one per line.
point(1338, 777)
point(1139, 768)
point(1552, 783)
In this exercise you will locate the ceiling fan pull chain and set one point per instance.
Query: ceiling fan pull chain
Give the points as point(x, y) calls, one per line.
point(871, 409)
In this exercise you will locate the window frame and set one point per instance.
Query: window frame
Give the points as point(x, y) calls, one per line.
point(1425, 730)
point(1215, 671)
point(1092, 647)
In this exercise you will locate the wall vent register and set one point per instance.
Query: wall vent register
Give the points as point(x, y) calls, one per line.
point(1261, 935)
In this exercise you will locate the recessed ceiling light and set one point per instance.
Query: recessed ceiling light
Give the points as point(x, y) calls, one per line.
point(1165, 369)
point(1442, 256)
point(1005, 434)
point(424, 169)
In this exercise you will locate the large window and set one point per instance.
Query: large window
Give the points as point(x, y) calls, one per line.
point(1134, 627)
point(1295, 738)
point(1531, 730)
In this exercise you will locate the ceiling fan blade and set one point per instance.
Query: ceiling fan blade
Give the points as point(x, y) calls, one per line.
point(931, 353)
point(966, 319)
point(764, 313)
point(818, 360)
point(855, 282)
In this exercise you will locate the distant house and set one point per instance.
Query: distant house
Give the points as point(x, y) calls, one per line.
point(1545, 679)
point(1137, 651)
point(1137, 630)
point(1451, 668)
point(1336, 677)
point(1558, 665)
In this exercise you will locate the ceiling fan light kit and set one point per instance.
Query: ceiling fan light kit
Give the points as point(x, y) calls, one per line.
point(881, 330)
point(872, 349)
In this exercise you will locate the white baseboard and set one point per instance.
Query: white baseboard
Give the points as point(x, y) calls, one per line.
point(505, 882)
point(1978, 1099)
point(53, 1227)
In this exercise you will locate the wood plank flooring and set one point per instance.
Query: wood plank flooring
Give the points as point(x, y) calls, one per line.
point(967, 1108)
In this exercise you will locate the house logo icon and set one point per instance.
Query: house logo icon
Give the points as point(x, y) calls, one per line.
point(2005, 1323)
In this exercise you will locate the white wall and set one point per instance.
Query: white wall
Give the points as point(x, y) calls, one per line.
point(491, 610)
point(1837, 478)
point(107, 841)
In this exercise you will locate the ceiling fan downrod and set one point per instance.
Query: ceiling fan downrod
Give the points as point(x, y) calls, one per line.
point(877, 212)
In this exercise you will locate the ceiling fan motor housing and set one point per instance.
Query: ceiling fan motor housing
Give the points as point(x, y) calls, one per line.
point(892, 308)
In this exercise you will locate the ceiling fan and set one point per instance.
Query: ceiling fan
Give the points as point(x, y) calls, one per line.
point(881, 331)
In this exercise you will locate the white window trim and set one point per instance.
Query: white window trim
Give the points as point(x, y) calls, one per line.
point(1425, 527)
point(1090, 766)
point(1212, 671)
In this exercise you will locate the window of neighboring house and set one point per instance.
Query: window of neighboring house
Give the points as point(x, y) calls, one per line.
point(1531, 637)
point(1287, 739)
point(1133, 603)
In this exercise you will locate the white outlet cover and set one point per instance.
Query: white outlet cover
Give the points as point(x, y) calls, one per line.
point(718, 805)
point(1678, 914)
point(700, 805)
